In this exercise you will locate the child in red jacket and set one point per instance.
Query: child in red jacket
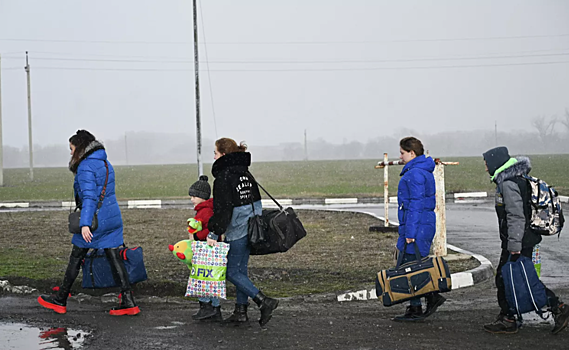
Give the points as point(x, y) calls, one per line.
point(199, 193)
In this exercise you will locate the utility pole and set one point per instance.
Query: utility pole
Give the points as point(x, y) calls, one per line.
point(27, 68)
point(1, 150)
point(496, 132)
point(197, 79)
point(305, 146)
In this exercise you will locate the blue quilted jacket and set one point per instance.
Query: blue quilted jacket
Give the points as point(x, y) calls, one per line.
point(88, 185)
point(416, 199)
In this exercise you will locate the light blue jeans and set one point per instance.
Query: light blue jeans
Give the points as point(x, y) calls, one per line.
point(237, 264)
point(214, 301)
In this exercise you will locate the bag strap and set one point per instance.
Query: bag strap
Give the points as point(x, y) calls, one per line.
point(100, 204)
point(102, 196)
point(268, 194)
point(401, 253)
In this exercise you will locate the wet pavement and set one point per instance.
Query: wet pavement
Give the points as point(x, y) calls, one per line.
point(474, 227)
point(24, 336)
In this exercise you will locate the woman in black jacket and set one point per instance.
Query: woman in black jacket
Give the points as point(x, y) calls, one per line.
point(236, 198)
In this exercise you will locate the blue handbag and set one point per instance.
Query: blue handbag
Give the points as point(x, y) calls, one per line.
point(97, 271)
point(524, 290)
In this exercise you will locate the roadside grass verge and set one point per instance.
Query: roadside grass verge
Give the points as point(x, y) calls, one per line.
point(338, 253)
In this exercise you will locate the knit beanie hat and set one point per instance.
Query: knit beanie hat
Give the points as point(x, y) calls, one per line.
point(495, 158)
point(200, 188)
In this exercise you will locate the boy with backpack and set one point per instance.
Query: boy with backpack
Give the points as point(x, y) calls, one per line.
point(519, 232)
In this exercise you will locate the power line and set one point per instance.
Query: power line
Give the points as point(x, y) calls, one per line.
point(112, 55)
point(309, 69)
point(515, 37)
point(300, 62)
point(190, 59)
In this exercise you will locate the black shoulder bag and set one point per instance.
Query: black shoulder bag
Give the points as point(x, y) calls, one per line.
point(281, 226)
point(75, 216)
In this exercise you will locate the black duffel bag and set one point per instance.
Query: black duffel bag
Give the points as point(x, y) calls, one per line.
point(279, 230)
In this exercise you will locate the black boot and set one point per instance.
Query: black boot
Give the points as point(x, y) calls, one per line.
point(267, 306)
point(504, 324)
point(58, 301)
point(239, 315)
point(127, 305)
point(433, 302)
point(412, 314)
point(561, 317)
point(217, 315)
point(206, 311)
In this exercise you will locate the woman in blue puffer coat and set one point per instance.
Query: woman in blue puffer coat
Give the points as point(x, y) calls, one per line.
point(92, 170)
point(416, 215)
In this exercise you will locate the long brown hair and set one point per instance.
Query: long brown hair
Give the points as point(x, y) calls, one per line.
point(226, 145)
point(80, 140)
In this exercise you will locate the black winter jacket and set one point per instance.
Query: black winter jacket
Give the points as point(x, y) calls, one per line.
point(232, 187)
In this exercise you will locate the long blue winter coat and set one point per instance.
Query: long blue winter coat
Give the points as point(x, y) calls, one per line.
point(416, 198)
point(89, 181)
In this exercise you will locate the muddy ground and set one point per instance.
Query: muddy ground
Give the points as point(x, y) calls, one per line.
point(308, 323)
point(338, 254)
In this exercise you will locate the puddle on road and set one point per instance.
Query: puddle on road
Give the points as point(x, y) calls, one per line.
point(22, 336)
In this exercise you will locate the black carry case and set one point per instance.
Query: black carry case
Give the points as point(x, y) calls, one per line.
point(283, 229)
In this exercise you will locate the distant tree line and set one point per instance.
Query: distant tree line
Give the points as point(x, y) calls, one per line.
point(550, 136)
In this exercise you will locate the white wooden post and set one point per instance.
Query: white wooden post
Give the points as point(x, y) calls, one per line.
point(440, 241)
point(386, 190)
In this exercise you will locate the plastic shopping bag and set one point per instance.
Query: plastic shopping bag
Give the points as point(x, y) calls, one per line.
point(209, 266)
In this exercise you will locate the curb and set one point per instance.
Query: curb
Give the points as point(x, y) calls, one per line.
point(470, 197)
point(459, 279)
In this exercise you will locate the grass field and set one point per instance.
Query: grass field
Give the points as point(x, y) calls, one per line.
point(310, 179)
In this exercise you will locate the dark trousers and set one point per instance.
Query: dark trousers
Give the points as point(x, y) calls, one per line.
point(76, 258)
point(552, 300)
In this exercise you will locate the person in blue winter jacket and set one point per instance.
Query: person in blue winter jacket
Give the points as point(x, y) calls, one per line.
point(416, 215)
point(91, 169)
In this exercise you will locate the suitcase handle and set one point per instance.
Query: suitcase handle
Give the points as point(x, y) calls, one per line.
point(401, 253)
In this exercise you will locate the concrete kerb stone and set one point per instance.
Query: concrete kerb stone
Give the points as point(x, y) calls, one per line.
point(459, 279)
point(160, 203)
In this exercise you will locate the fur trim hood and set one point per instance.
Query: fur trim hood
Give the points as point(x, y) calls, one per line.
point(92, 147)
point(521, 167)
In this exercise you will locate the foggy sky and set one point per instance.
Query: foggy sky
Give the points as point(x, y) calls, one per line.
point(367, 68)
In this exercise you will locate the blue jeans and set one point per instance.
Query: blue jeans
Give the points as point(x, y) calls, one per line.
point(237, 263)
point(214, 301)
point(406, 258)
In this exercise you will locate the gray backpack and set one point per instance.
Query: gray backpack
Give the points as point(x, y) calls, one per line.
point(546, 212)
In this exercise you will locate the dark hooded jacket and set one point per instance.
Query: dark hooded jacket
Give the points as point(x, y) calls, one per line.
point(235, 194)
point(513, 194)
